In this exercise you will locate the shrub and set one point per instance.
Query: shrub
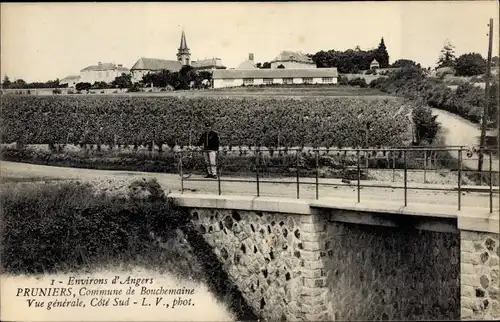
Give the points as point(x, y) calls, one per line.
point(425, 125)
point(56, 91)
point(470, 64)
point(52, 228)
point(361, 82)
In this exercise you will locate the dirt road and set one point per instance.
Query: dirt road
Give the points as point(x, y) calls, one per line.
point(459, 131)
point(171, 182)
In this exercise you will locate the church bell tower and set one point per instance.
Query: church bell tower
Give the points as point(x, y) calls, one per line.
point(183, 54)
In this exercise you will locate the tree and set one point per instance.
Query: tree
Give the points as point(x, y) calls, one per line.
point(123, 81)
point(494, 61)
point(258, 65)
point(381, 54)
point(83, 86)
point(19, 84)
point(6, 82)
point(266, 65)
point(447, 58)
point(403, 63)
point(470, 64)
point(425, 125)
point(281, 66)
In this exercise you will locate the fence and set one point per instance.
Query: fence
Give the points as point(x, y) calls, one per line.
point(301, 167)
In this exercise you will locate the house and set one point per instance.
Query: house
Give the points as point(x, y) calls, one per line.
point(208, 64)
point(153, 65)
point(248, 64)
point(374, 64)
point(71, 81)
point(248, 77)
point(293, 60)
point(102, 72)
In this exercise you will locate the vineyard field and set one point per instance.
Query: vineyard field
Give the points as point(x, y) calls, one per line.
point(113, 120)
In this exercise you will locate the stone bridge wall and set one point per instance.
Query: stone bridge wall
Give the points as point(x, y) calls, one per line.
point(294, 260)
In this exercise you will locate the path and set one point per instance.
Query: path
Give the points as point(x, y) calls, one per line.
point(172, 182)
point(459, 131)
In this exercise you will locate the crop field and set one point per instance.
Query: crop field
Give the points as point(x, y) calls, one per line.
point(240, 121)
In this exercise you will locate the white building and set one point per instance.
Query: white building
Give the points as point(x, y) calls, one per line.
point(106, 72)
point(374, 64)
point(71, 80)
point(249, 77)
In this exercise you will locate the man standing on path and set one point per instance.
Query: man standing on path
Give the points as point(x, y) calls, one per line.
point(210, 142)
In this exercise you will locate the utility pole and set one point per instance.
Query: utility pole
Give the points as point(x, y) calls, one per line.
point(484, 119)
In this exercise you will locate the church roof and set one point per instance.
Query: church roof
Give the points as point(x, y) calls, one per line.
point(157, 64)
point(287, 55)
point(374, 62)
point(183, 45)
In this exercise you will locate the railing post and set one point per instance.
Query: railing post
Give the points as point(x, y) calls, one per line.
point(218, 171)
point(359, 176)
point(182, 176)
point(405, 178)
point(317, 174)
point(425, 166)
point(257, 164)
point(491, 184)
point(459, 179)
point(297, 167)
point(393, 166)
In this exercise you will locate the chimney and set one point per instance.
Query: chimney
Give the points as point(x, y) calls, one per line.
point(250, 56)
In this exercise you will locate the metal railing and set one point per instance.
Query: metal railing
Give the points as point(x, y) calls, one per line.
point(353, 165)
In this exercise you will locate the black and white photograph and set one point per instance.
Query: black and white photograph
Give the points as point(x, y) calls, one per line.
point(249, 161)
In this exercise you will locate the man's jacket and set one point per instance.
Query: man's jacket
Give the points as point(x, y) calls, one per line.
point(209, 141)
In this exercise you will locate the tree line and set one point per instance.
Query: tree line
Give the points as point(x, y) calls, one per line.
point(186, 78)
point(22, 84)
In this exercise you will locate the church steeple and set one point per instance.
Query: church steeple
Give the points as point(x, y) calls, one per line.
point(183, 53)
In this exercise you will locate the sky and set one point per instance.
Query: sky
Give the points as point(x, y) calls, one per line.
point(45, 41)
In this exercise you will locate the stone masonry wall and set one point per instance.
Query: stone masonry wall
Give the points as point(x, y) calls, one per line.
point(385, 273)
point(272, 257)
point(479, 275)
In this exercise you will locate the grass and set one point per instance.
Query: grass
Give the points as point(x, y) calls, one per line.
point(59, 228)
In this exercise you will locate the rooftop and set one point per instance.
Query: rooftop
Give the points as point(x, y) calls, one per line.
point(157, 64)
point(104, 66)
point(287, 55)
point(274, 73)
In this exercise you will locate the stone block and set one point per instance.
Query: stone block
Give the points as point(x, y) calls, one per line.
point(312, 228)
point(313, 300)
point(314, 282)
point(470, 235)
point(311, 273)
point(309, 255)
point(317, 317)
point(313, 237)
point(466, 268)
point(470, 280)
point(467, 291)
point(470, 258)
point(308, 291)
point(314, 309)
point(467, 246)
point(465, 313)
point(313, 246)
point(469, 303)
